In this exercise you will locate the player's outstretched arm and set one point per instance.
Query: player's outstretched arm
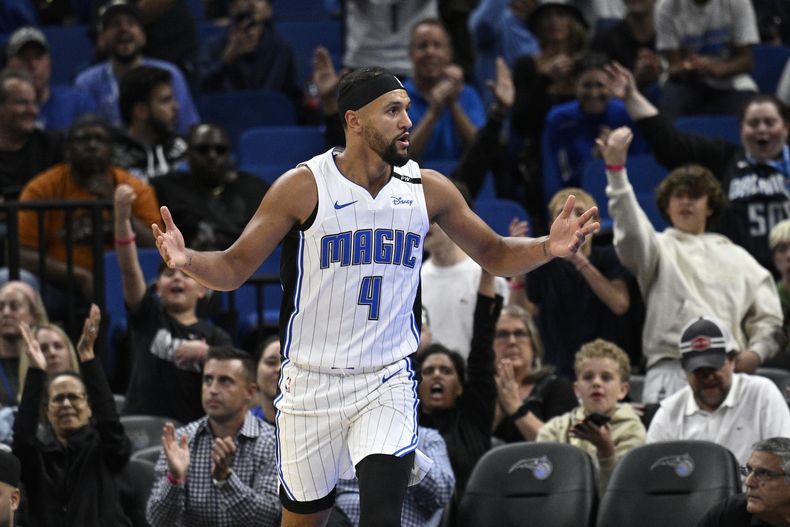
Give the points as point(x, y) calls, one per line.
point(290, 200)
point(502, 256)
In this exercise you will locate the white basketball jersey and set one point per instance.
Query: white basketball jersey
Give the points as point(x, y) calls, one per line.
point(351, 278)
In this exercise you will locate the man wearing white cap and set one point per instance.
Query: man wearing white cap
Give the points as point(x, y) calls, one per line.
point(732, 409)
point(59, 105)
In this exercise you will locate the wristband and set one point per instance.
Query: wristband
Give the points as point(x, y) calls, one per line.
point(615, 168)
point(127, 241)
point(517, 285)
point(521, 412)
point(173, 480)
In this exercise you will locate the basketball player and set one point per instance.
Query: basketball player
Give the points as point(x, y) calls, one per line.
point(353, 224)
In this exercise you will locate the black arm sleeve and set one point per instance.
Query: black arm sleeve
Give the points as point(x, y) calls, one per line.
point(116, 447)
point(480, 391)
point(673, 148)
point(481, 155)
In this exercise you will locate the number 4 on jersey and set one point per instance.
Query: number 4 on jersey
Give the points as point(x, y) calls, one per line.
point(370, 295)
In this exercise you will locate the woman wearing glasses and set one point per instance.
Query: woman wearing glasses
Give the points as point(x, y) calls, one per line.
point(529, 394)
point(70, 479)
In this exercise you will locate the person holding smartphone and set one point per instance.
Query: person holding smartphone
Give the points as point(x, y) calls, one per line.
point(601, 426)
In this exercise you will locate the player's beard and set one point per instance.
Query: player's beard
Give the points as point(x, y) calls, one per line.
point(388, 152)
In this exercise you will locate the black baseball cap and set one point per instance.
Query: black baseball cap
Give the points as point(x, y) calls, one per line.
point(704, 343)
point(115, 7)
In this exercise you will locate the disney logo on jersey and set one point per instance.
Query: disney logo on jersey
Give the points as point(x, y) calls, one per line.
point(397, 200)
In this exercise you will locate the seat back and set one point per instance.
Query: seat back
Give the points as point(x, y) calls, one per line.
point(135, 483)
point(150, 454)
point(636, 387)
point(240, 110)
point(769, 63)
point(305, 35)
point(280, 145)
point(145, 430)
point(499, 212)
point(716, 126)
point(668, 484)
point(644, 174)
point(780, 377)
point(71, 51)
point(545, 484)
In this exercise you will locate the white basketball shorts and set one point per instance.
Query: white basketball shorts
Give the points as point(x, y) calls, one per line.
point(327, 423)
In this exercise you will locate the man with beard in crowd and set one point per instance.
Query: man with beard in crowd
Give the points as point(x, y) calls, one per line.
point(212, 201)
point(149, 146)
point(121, 34)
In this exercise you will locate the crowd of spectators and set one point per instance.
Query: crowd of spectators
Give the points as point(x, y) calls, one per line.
point(530, 92)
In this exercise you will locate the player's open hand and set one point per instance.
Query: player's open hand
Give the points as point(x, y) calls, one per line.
point(568, 232)
point(171, 242)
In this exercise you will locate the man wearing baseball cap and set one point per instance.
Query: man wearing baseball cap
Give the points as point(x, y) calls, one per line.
point(731, 409)
point(122, 36)
point(59, 105)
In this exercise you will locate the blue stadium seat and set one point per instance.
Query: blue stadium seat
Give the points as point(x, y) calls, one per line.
point(300, 10)
point(304, 36)
point(114, 308)
point(718, 126)
point(444, 166)
point(769, 63)
point(245, 302)
point(71, 51)
point(237, 111)
point(281, 145)
point(499, 212)
point(207, 30)
point(196, 10)
point(644, 173)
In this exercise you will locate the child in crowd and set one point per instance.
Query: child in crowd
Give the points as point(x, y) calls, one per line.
point(601, 426)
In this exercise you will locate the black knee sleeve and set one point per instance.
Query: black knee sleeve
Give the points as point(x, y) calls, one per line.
point(383, 480)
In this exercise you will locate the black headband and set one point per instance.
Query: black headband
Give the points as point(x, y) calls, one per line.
point(366, 91)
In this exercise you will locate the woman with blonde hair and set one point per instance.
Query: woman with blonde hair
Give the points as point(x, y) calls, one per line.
point(529, 393)
point(19, 302)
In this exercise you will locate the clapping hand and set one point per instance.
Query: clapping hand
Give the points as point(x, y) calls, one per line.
point(32, 349)
point(223, 452)
point(176, 452)
point(90, 330)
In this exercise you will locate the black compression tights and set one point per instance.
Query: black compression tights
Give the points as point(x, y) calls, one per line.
point(382, 487)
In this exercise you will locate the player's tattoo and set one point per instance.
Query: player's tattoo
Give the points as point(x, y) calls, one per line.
point(190, 254)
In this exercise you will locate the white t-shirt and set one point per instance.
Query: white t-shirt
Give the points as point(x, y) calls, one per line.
point(449, 294)
point(378, 32)
point(708, 29)
point(753, 410)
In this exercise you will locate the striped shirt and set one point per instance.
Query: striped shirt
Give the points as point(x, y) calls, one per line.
point(249, 496)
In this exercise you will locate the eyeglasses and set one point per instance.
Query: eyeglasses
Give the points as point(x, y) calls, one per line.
point(519, 334)
point(761, 474)
point(74, 398)
point(205, 149)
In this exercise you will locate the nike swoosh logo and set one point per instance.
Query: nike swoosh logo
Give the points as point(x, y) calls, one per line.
point(339, 206)
point(388, 377)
